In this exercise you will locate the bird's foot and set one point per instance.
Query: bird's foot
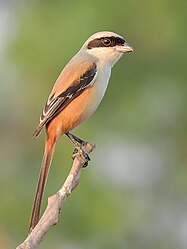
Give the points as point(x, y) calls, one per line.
point(79, 148)
point(79, 152)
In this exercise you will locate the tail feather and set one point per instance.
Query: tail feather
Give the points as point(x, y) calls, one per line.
point(46, 162)
point(38, 130)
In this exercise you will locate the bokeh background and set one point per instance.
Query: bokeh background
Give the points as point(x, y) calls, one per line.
point(134, 192)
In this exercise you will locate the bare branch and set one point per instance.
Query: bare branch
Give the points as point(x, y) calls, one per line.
point(55, 203)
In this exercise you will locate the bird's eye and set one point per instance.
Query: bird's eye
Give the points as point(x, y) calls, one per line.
point(106, 42)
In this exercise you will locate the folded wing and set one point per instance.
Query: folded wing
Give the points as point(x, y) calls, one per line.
point(55, 104)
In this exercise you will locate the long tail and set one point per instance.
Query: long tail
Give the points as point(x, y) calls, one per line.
point(46, 162)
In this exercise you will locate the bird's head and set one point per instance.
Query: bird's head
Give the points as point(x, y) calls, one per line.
point(106, 46)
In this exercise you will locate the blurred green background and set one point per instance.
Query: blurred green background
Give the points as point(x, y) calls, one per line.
point(134, 192)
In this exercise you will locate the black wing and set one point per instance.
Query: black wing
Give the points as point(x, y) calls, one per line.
point(56, 104)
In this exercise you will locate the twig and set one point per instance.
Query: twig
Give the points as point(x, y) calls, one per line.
point(55, 203)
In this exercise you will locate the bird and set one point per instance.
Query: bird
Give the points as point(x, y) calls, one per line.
point(75, 96)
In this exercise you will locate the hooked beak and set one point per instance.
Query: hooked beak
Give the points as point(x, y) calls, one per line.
point(126, 48)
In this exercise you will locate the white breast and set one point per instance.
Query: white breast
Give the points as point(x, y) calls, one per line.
point(102, 80)
point(100, 85)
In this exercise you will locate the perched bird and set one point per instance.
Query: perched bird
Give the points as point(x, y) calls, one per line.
point(74, 98)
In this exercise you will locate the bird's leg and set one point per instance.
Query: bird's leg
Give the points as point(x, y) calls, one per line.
point(75, 140)
point(79, 143)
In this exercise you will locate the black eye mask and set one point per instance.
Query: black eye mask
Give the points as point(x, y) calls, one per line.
point(111, 41)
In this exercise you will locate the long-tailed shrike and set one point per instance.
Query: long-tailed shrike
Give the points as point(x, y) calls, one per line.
point(74, 98)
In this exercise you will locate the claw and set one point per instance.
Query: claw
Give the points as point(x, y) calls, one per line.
point(74, 154)
point(80, 152)
point(85, 155)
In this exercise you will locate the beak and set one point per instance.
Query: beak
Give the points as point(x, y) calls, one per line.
point(126, 48)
